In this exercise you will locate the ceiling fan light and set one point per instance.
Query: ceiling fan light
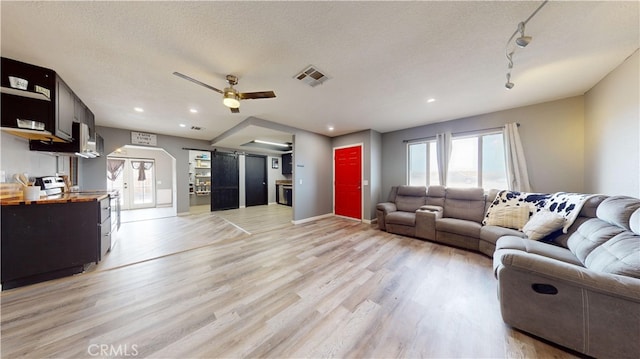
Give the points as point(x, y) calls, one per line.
point(231, 98)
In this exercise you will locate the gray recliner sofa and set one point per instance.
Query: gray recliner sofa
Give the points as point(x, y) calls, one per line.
point(585, 294)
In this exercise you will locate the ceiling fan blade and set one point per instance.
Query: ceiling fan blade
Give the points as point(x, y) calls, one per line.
point(235, 110)
point(256, 95)
point(197, 82)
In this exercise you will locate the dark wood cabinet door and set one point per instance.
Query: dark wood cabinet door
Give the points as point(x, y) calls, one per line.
point(65, 110)
point(287, 164)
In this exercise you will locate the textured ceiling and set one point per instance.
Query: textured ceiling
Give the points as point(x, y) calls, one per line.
point(385, 59)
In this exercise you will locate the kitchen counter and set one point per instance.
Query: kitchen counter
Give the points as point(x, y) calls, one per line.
point(71, 197)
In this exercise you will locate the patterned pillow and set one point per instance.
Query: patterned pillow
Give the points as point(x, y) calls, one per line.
point(509, 217)
point(506, 198)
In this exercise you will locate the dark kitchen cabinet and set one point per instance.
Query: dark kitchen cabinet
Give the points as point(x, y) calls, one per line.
point(51, 240)
point(37, 104)
point(65, 109)
point(287, 164)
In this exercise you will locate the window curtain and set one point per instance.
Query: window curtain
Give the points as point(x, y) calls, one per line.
point(443, 144)
point(114, 168)
point(517, 175)
point(141, 167)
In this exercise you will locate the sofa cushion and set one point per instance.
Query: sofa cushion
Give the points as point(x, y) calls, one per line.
point(509, 217)
point(435, 195)
point(590, 235)
point(634, 222)
point(507, 243)
point(413, 191)
point(619, 255)
point(410, 198)
point(491, 234)
point(464, 203)
point(403, 218)
point(591, 205)
point(542, 224)
point(459, 226)
point(617, 210)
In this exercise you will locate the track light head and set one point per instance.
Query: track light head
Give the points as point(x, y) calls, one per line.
point(523, 41)
point(509, 85)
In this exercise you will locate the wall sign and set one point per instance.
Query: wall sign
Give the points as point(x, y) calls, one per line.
point(141, 138)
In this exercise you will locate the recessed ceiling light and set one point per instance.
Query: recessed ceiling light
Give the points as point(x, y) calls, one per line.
point(138, 109)
point(182, 125)
point(330, 128)
point(431, 100)
point(193, 110)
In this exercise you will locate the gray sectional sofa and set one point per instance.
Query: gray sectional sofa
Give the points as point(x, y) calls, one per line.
point(580, 290)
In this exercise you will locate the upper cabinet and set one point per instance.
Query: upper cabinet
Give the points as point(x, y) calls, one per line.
point(287, 164)
point(37, 104)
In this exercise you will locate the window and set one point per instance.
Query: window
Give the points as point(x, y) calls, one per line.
point(478, 161)
point(423, 165)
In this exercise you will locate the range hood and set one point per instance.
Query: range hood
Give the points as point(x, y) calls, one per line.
point(81, 145)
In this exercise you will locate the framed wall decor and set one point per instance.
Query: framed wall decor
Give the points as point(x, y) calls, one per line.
point(274, 163)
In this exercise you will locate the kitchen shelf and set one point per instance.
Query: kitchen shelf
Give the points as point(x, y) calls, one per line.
point(23, 93)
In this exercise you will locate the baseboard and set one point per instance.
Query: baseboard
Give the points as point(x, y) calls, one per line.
point(370, 221)
point(183, 214)
point(311, 219)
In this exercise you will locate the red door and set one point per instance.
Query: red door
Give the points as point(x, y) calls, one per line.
point(348, 182)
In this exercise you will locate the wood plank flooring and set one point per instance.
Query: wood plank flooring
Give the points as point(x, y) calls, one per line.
point(329, 288)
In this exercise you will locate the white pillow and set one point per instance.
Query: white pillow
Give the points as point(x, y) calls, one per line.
point(509, 217)
point(542, 224)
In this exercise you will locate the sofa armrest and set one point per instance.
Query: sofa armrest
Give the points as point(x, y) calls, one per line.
point(382, 209)
point(590, 312)
point(426, 221)
point(541, 266)
point(386, 207)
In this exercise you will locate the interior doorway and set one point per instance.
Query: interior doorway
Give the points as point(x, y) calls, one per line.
point(145, 178)
point(348, 181)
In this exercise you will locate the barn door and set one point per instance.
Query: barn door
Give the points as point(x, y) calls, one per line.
point(225, 177)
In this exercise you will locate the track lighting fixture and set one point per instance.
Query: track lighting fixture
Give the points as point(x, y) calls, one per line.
point(521, 42)
point(509, 85)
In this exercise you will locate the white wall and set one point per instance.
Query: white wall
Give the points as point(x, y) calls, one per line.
point(612, 132)
point(15, 157)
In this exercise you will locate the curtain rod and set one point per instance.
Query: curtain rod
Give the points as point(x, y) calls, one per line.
point(457, 133)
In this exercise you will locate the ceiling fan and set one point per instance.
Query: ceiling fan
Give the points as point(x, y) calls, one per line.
point(230, 96)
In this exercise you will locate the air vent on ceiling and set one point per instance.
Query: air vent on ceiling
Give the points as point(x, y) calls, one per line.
point(196, 128)
point(312, 76)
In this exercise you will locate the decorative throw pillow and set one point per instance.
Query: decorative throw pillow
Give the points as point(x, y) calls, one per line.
point(509, 217)
point(542, 224)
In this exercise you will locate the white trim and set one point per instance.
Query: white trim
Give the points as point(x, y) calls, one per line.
point(370, 221)
point(361, 145)
point(311, 219)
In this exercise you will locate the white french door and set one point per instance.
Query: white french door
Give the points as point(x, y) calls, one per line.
point(134, 178)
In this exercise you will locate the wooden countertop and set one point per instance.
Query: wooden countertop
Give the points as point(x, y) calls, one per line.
point(61, 198)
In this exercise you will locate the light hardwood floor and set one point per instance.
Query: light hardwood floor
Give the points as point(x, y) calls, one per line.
point(329, 288)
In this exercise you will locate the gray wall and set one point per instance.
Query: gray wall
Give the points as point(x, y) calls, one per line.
point(552, 135)
point(312, 176)
point(612, 132)
point(371, 170)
